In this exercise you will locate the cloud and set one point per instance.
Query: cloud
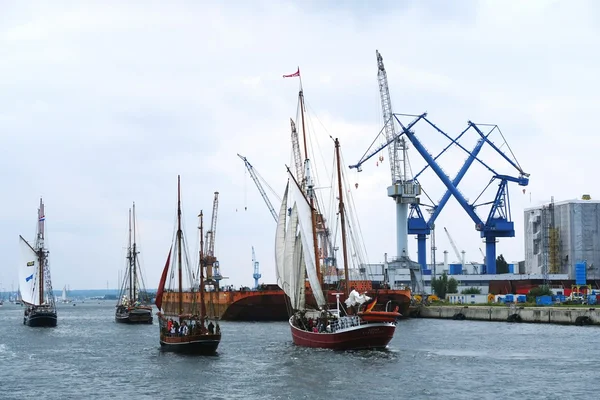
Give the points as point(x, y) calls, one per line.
point(103, 104)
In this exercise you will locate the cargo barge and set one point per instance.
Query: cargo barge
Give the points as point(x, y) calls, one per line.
point(268, 303)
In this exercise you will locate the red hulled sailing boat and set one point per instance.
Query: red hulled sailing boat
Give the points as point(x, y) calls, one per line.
point(356, 326)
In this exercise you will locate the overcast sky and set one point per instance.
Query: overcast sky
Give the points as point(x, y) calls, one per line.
point(104, 103)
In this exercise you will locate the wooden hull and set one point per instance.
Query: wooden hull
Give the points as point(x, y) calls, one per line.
point(191, 344)
point(135, 315)
point(368, 336)
point(41, 319)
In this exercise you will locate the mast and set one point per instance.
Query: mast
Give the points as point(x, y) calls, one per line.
point(129, 258)
point(310, 188)
point(134, 259)
point(40, 250)
point(201, 288)
point(342, 218)
point(179, 245)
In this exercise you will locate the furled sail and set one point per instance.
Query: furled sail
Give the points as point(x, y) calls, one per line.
point(306, 233)
point(28, 274)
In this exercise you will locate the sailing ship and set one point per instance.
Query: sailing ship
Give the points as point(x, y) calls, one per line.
point(133, 304)
point(359, 325)
point(185, 327)
point(35, 285)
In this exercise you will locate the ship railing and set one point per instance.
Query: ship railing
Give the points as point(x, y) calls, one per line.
point(344, 323)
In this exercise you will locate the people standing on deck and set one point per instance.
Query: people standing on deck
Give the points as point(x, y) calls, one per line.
point(211, 328)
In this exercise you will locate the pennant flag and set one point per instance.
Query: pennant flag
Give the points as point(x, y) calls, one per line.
point(297, 73)
point(42, 218)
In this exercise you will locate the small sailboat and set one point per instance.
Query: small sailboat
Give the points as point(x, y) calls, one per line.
point(63, 297)
point(185, 329)
point(35, 285)
point(133, 305)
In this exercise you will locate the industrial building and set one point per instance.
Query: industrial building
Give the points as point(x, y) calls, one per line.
point(558, 235)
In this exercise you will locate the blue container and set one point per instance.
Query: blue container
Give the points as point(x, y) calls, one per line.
point(521, 298)
point(543, 300)
point(455, 269)
point(592, 299)
point(509, 298)
point(511, 268)
point(580, 273)
point(426, 272)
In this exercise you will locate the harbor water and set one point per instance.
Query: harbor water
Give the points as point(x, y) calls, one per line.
point(89, 356)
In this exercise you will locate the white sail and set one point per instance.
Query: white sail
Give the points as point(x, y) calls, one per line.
point(64, 293)
point(305, 225)
point(28, 274)
point(289, 274)
point(280, 240)
point(299, 273)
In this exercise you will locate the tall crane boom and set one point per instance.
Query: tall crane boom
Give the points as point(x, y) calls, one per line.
point(213, 226)
point(259, 186)
point(454, 248)
point(390, 130)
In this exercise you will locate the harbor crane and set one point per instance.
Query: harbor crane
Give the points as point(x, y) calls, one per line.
point(213, 272)
point(256, 275)
point(403, 191)
point(498, 223)
point(460, 259)
point(255, 178)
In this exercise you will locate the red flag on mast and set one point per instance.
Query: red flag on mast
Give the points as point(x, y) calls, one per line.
point(297, 73)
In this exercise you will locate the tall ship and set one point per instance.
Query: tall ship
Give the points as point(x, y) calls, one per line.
point(133, 305)
point(35, 285)
point(185, 326)
point(354, 323)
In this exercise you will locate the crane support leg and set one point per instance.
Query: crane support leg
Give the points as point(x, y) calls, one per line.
point(422, 251)
point(401, 228)
point(490, 254)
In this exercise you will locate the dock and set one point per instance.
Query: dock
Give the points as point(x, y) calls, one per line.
point(514, 313)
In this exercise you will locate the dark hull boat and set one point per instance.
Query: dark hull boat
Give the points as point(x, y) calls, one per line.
point(201, 345)
point(133, 306)
point(35, 285)
point(134, 315)
point(189, 331)
point(198, 340)
point(40, 317)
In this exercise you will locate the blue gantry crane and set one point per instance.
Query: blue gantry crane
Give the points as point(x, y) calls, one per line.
point(498, 222)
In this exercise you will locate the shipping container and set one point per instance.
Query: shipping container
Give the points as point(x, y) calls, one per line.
point(580, 273)
point(455, 269)
point(543, 300)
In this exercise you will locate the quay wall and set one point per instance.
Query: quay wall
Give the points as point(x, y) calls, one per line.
point(552, 315)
